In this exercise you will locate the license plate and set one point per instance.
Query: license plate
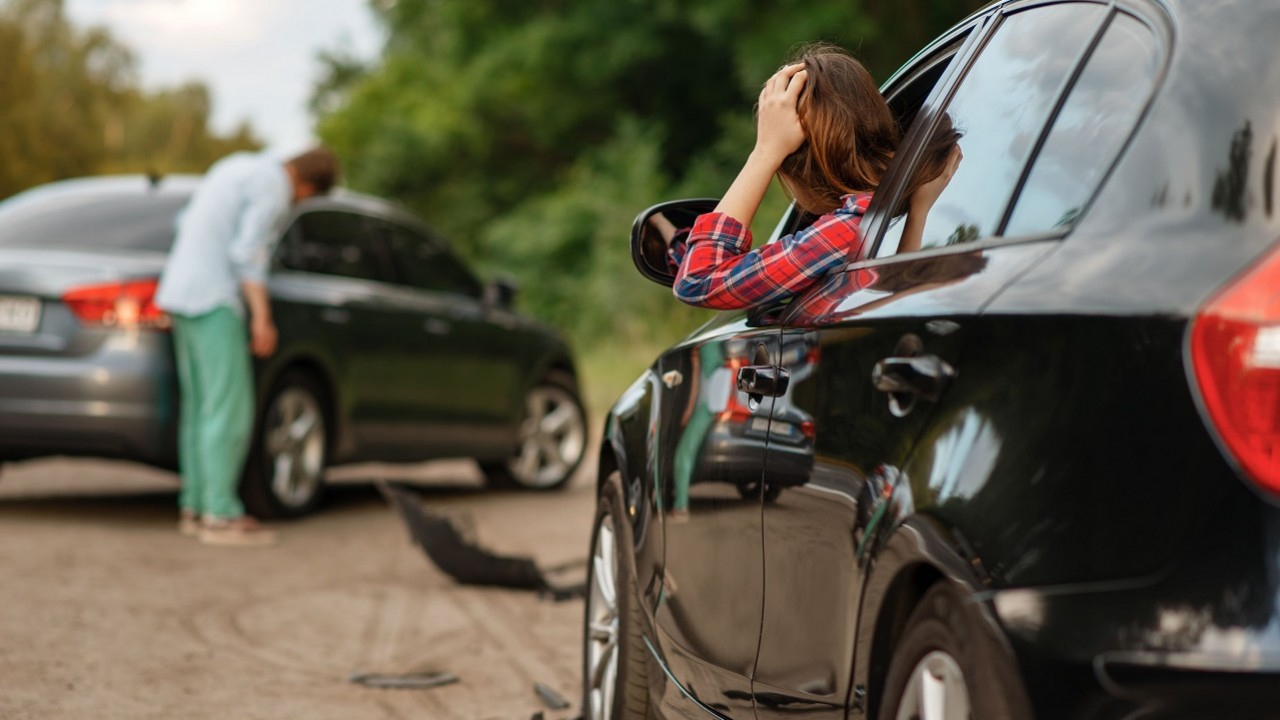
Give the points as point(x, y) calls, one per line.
point(19, 314)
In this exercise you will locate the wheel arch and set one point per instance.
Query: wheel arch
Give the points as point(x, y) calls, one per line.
point(917, 554)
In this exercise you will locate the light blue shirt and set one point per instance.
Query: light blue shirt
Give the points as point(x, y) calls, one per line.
point(226, 234)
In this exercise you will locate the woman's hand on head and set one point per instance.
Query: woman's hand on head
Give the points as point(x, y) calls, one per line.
point(927, 194)
point(778, 129)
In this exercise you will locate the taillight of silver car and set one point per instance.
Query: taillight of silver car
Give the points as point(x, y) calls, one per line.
point(1235, 356)
point(129, 304)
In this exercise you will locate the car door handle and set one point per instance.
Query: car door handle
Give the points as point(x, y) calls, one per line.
point(337, 316)
point(759, 381)
point(922, 376)
point(436, 326)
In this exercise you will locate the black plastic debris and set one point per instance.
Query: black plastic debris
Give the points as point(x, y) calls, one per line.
point(467, 562)
point(550, 697)
point(406, 681)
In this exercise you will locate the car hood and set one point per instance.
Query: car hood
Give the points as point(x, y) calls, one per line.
point(50, 273)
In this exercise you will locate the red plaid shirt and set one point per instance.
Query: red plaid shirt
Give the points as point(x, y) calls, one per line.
point(721, 271)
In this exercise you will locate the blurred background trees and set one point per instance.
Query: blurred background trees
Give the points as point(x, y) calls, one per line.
point(70, 105)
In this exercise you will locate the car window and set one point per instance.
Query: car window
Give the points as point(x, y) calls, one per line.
point(1001, 106)
point(336, 243)
point(426, 262)
point(1098, 115)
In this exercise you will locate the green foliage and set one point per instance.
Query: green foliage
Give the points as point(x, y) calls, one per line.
point(70, 105)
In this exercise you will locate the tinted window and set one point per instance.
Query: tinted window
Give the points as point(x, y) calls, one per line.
point(1098, 115)
point(336, 243)
point(59, 221)
point(426, 263)
point(1001, 106)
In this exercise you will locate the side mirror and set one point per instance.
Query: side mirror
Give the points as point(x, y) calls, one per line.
point(501, 292)
point(653, 230)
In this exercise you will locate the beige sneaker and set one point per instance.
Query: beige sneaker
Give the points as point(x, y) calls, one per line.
point(242, 531)
point(188, 523)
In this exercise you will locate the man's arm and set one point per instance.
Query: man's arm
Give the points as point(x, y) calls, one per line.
point(250, 251)
point(262, 329)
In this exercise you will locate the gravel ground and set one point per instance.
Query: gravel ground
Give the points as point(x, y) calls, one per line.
point(109, 613)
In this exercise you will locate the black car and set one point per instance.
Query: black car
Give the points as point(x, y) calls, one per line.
point(389, 347)
point(1043, 452)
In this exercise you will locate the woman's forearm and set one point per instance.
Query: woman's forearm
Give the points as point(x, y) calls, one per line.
point(743, 198)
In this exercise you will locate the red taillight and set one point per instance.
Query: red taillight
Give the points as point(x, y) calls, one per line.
point(128, 304)
point(1235, 353)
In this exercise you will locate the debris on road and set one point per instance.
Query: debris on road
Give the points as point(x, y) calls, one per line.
point(467, 562)
point(550, 697)
point(405, 681)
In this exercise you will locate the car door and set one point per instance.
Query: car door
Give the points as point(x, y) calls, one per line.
point(710, 445)
point(335, 287)
point(469, 357)
point(873, 350)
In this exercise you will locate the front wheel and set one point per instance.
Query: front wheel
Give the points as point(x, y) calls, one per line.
point(285, 473)
point(948, 666)
point(615, 685)
point(552, 438)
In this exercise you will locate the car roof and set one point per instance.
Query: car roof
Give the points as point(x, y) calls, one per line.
point(180, 185)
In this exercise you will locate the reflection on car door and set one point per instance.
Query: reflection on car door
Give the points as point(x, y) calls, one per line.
point(710, 451)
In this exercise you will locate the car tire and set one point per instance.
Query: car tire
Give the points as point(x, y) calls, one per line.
point(614, 666)
point(552, 438)
point(284, 476)
point(946, 656)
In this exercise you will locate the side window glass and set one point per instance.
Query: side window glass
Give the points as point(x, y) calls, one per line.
point(1000, 107)
point(1098, 115)
point(337, 243)
point(427, 263)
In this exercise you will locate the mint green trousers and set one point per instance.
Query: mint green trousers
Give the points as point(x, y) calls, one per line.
point(216, 410)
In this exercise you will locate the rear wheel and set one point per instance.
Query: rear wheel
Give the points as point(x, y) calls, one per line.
point(948, 666)
point(552, 438)
point(285, 473)
point(615, 674)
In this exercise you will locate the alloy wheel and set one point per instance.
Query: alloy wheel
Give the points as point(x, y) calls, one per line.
point(935, 691)
point(552, 438)
point(602, 624)
point(295, 444)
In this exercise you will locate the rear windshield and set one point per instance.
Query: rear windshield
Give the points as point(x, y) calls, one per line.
point(85, 221)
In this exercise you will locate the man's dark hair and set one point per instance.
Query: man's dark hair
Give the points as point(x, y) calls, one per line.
point(318, 167)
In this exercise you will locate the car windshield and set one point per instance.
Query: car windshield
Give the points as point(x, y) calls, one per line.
point(82, 221)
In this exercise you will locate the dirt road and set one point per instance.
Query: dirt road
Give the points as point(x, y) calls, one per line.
point(107, 612)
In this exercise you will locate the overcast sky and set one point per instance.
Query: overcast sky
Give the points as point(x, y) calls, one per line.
point(256, 56)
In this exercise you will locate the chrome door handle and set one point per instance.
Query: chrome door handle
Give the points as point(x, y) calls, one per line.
point(759, 381)
point(907, 379)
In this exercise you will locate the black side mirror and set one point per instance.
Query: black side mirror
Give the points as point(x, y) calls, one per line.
point(501, 292)
point(653, 230)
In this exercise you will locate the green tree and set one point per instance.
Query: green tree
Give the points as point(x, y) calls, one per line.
point(70, 105)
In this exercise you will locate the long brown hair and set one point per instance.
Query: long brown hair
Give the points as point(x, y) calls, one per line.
point(851, 132)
